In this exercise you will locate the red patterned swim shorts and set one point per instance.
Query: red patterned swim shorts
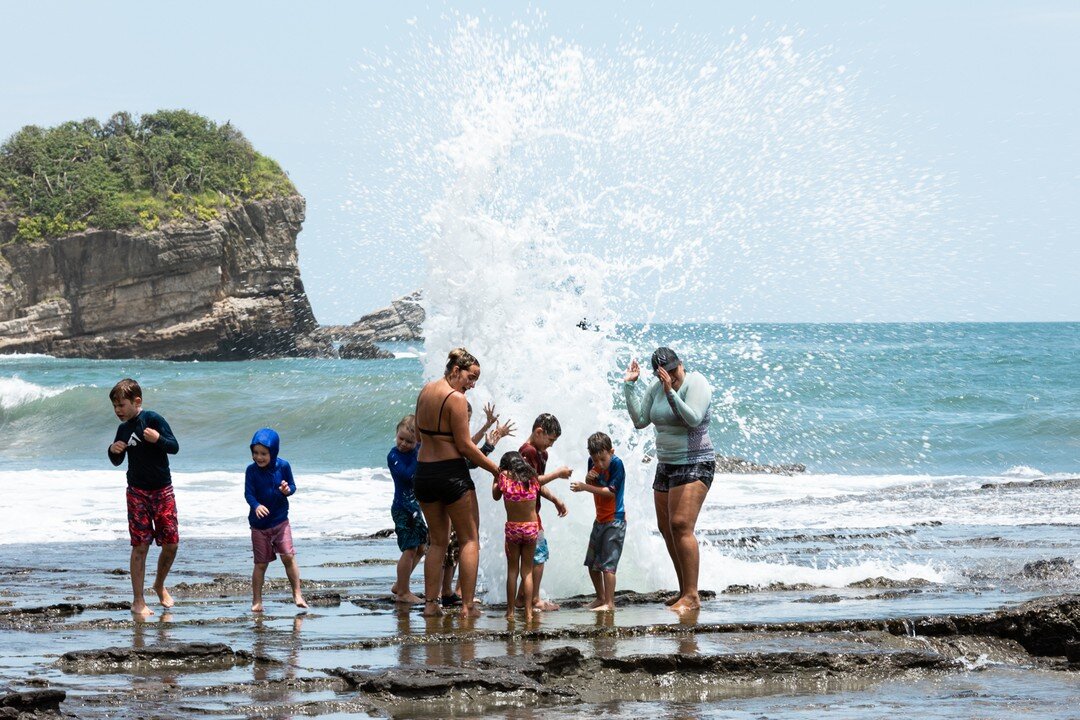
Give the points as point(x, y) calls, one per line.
point(521, 533)
point(152, 516)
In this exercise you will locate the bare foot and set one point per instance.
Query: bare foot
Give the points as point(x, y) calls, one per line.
point(545, 605)
point(431, 609)
point(300, 602)
point(602, 608)
point(408, 599)
point(256, 607)
point(510, 615)
point(595, 604)
point(163, 596)
point(528, 617)
point(140, 609)
point(672, 600)
point(472, 610)
point(686, 604)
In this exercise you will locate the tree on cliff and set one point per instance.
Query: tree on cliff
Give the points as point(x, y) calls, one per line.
point(163, 166)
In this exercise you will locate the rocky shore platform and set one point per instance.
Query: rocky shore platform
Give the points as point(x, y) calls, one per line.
point(884, 647)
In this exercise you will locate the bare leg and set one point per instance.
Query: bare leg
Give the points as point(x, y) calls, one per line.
point(138, 577)
point(406, 564)
point(463, 513)
point(448, 580)
point(663, 524)
point(527, 552)
point(684, 505)
point(513, 562)
point(609, 590)
point(598, 585)
point(438, 522)
point(164, 564)
point(292, 571)
point(258, 575)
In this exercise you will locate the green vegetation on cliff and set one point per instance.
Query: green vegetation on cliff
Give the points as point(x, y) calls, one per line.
point(130, 172)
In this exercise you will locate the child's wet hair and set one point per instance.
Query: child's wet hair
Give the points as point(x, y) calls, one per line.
point(409, 423)
point(126, 389)
point(513, 463)
point(460, 358)
point(548, 423)
point(599, 442)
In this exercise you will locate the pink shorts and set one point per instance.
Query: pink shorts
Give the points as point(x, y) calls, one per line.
point(266, 543)
point(522, 533)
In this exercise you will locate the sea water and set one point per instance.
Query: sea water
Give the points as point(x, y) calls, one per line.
point(900, 427)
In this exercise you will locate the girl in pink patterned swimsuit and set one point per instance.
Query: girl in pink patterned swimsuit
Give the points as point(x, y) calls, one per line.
point(517, 486)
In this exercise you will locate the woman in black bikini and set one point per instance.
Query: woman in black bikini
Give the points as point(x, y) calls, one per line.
point(442, 484)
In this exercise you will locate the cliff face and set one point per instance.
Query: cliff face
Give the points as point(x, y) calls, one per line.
point(402, 320)
point(227, 289)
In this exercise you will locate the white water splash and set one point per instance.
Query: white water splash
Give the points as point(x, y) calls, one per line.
point(563, 186)
point(15, 391)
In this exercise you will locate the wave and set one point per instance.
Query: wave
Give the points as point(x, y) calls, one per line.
point(15, 391)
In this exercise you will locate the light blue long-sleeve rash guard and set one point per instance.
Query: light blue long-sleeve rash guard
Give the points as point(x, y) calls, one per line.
point(681, 418)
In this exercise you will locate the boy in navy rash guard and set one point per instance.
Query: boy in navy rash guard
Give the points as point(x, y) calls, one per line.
point(268, 483)
point(146, 440)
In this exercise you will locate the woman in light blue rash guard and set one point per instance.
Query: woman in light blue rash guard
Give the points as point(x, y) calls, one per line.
point(678, 406)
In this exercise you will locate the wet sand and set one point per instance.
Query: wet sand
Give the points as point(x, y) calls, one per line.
point(871, 650)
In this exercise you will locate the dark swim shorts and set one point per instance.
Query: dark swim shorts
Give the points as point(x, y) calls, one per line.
point(605, 546)
point(443, 481)
point(669, 476)
point(409, 526)
point(152, 516)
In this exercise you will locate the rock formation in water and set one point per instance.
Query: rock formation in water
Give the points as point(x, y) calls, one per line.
point(224, 289)
point(402, 320)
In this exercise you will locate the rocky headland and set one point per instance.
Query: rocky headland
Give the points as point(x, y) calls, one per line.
point(224, 289)
point(165, 236)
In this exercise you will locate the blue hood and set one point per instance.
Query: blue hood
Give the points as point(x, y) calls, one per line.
point(268, 438)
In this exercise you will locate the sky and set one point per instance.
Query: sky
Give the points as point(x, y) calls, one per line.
point(986, 94)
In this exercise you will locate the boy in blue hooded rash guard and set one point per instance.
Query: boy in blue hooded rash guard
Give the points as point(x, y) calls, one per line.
point(409, 525)
point(268, 484)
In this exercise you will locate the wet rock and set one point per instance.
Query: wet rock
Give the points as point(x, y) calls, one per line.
point(188, 655)
point(739, 465)
point(1043, 483)
point(231, 585)
point(359, 563)
point(622, 597)
point(116, 571)
point(761, 665)
point(1057, 568)
point(31, 702)
point(57, 610)
point(324, 599)
point(884, 582)
point(363, 350)
point(821, 599)
point(771, 587)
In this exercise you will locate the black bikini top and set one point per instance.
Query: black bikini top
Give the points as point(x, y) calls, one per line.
point(440, 431)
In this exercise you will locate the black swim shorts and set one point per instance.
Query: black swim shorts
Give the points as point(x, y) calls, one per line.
point(443, 481)
point(669, 476)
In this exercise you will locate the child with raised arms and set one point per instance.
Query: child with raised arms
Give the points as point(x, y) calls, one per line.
point(606, 481)
point(268, 483)
point(518, 486)
point(545, 431)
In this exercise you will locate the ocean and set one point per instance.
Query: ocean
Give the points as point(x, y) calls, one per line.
point(900, 427)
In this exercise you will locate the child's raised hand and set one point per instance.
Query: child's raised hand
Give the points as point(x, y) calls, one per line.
point(564, 472)
point(577, 486)
point(592, 476)
point(632, 372)
point(284, 488)
point(118, 447)
point(489, 411)
point(151, 435)
point(262, 511)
